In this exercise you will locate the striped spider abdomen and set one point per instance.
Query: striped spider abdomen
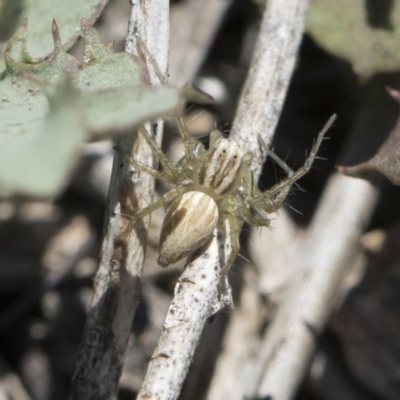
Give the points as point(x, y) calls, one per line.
point(189, 223)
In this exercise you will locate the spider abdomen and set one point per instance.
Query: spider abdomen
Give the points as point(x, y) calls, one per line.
point(189, 223)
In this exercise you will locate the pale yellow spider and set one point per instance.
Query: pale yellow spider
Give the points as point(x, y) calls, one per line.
point(210, 187)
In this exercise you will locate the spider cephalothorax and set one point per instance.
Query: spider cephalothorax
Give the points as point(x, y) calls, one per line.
point(211, 187)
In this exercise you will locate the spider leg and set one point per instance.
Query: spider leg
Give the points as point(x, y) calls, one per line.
point(153, 172)
point(167, 198)
point(274, 201)
point(232, 232)
point(148, 170)
point(277, 159)
point(214, 136)
point(185, 138)
point(248, 184)
point(145, 54)
point(257, 220)
point(277, 194)
point(166, 164)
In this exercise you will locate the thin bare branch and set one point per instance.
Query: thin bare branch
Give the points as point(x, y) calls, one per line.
point(117, 282)
point(273, 61)
point(328, 249)
point(234, 367)
point(258, 112)
point(196, 294)
point(332, 239)
point(11, 386)
point(194, 301)
point(194, 25)
point(170, 360)
point(331, 244)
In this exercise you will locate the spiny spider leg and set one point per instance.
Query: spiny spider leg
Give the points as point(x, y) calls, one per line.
point(162, 201)
point(145, 54)
point(148, 170)
point(165, 163)
point(285, 185)
point(277, 159)
point(185, 138)
point(232, 231)
point(153, 172)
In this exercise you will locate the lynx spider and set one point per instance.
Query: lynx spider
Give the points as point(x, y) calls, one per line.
point(212, 187)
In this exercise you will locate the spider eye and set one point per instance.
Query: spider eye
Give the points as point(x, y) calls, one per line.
point(235, 156)
point(224, 151)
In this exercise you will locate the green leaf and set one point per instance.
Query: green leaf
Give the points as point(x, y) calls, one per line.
point(386, 161)
point(37, 157)
point(40, 130)
point(68, 14)
point(115, 111)
point(362, 34)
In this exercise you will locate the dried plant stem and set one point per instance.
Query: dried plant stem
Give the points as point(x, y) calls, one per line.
point(196, 294)
point(258, 112)
point(234, 368)
point(194, 301)
point(273, 256)
point(282, 28)
point(186, 318)
point(273, 61)
point(117, 282)
point(332, 240)
point(331, 243)
point(193, 27)
point(11, 386)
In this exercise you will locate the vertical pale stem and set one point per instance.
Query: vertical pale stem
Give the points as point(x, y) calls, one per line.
point(267, 82)
point(326, 253)
point(117, 282)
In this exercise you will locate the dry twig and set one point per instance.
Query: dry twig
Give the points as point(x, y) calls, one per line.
point(194, 25)
point(258, 112)
point(117, 282)
point(11, 386)
point(332, 238)
point(330, 246)
point(194, 301)
point(282, 28)
point(196, 292)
